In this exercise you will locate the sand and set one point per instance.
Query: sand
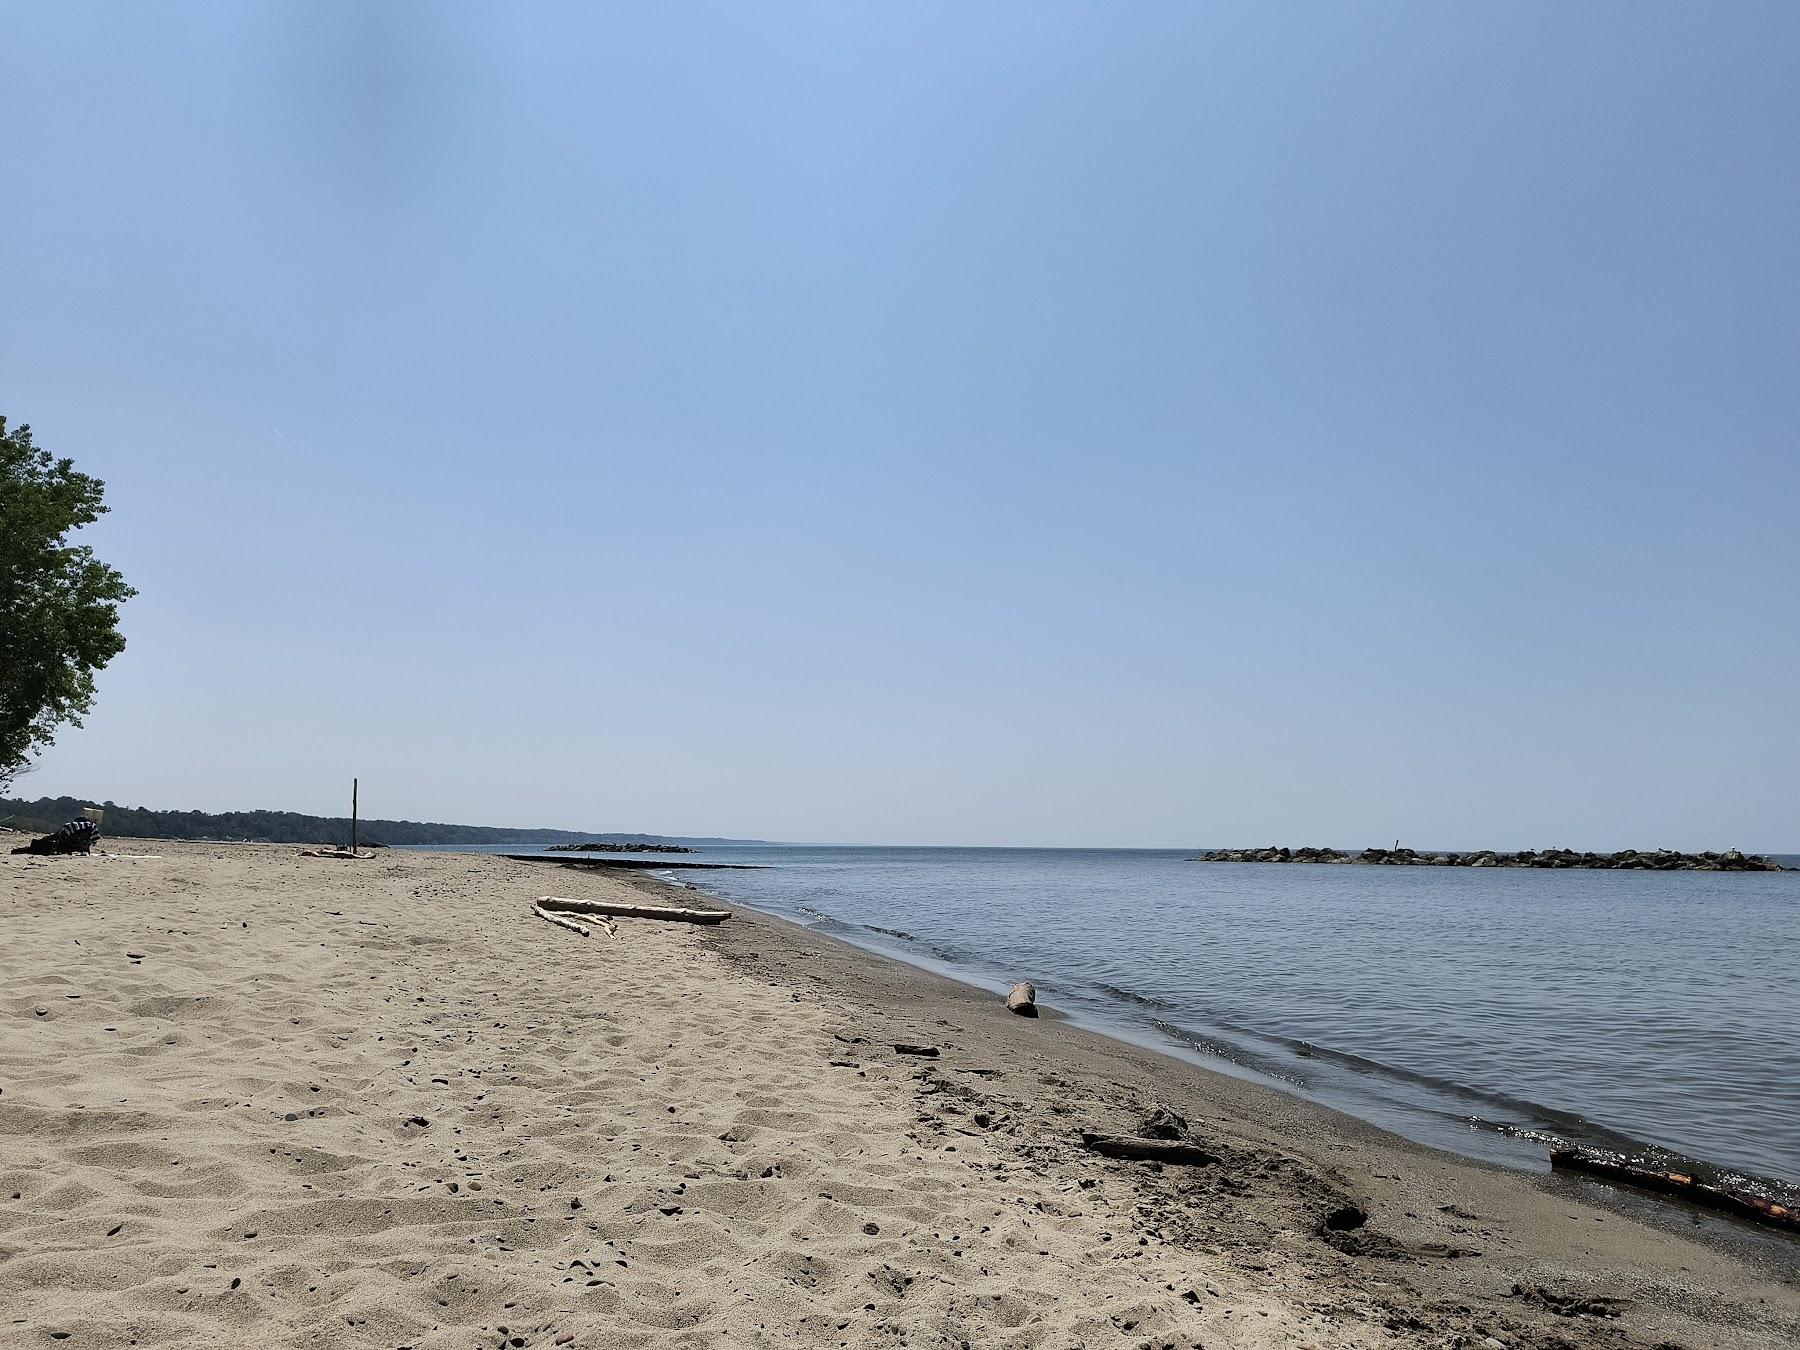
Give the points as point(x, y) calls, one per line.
point(252, 1099)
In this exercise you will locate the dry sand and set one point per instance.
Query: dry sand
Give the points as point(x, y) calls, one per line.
point(251, 1099)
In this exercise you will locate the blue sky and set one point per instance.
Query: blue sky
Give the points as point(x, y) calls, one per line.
point(1057, 424)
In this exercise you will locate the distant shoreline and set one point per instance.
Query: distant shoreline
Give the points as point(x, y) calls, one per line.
point(292, 827)
point(1626, 860)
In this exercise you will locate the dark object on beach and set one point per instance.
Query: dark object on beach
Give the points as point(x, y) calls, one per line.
point(78, 836)
point(1148, 1150)
point(1345, 1219)
point(625, 911)
point(928, 1051)
point(1163, 1123)
point(1626, 860)
point(1023, 999)
point(1566, 1305)
point(1681, 1185)
point(620, 848)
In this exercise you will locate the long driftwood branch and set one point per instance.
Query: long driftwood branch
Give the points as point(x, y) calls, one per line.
point(626, 911)
point(1148, 1150)
point(561, 921)
point(1678, 1184)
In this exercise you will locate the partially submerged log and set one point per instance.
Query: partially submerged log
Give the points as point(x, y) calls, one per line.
point(1681, 1185)
point(1023, 999)
point(1148, 1150)
point(628, 911)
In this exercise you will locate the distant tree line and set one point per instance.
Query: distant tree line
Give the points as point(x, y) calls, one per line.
point(280, 827)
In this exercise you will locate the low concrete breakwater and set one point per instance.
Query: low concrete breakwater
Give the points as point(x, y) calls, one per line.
point(1629, 860)
point(619, 848)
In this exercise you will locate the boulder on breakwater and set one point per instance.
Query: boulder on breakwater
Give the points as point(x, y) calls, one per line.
point(1626, 860)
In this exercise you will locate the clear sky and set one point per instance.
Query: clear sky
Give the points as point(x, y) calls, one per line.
point(941, 423)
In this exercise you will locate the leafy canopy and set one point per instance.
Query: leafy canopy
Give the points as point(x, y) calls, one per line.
point(59, 605)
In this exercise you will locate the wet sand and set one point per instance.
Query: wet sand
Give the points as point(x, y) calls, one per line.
point(248, 1098)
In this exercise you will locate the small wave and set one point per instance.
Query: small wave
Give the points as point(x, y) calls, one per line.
point(819, 921)
point(1231, 1053)
point(1132, 996)
point(824, 923)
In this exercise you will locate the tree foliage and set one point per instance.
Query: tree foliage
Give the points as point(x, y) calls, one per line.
point(59, 605)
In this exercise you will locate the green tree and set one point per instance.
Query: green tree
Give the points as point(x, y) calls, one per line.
point(59, 605)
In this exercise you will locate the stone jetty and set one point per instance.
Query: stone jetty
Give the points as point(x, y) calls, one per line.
point(618, 848)
point(1626, 860)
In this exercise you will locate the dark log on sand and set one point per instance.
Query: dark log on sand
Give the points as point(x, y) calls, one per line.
point(625, 911)
point(1023, 1000)
point(1147, 1150)
point(1680, 1185)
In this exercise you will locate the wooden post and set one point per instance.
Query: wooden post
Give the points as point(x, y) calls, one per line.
point(353, 815)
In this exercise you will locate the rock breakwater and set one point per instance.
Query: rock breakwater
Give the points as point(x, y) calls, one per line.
point(619, 848)
point(1628, 860)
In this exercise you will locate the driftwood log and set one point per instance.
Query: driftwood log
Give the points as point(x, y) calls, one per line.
point(1148, 1150)
point(562, 921)
point(627, 911)
point(1023, 999)
point(1680, 1185)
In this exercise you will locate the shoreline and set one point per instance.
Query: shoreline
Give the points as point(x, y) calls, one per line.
point(1485, 1125)
point(751, 1157)
point(802, 951)
point(915, 998)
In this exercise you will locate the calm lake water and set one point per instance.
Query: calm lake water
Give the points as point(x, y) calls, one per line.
point(1487, 1011)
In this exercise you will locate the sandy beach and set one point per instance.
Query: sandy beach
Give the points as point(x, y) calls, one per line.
point(250, 1098)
